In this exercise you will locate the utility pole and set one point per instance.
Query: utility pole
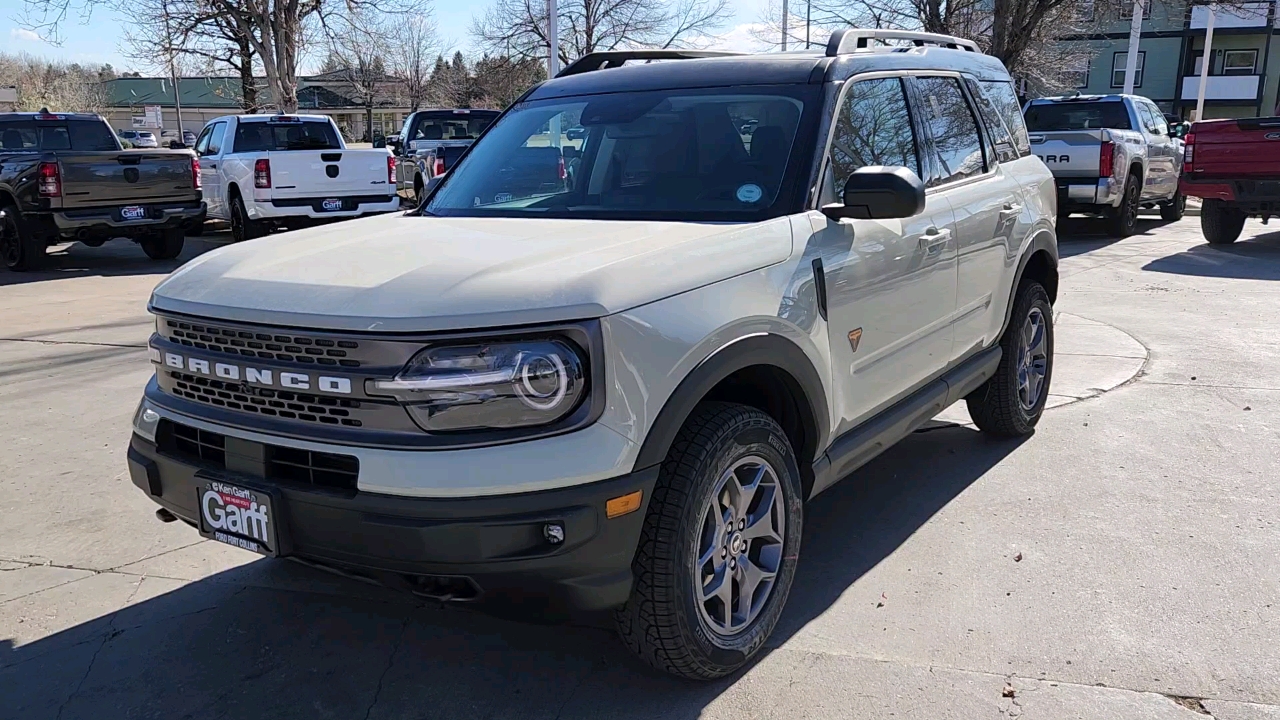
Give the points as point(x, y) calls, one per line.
point(553, 63)
point(784, 25)
point(173, 74)
point(808, 20)
point(1135, 34)
point(1205, 60)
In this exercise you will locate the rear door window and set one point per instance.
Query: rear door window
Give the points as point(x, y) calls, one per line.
point(955, 146)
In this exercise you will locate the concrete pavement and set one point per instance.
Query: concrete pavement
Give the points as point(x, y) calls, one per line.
point(1124, 562)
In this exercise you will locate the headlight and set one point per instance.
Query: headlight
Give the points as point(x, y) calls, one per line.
point(489, 386)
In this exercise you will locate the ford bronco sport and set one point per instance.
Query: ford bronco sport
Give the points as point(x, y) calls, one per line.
point(614, 388)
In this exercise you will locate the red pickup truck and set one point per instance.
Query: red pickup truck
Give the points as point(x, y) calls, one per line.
point(1235, 166)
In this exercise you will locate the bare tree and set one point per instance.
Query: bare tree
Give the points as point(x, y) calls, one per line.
point(499, 81)
point(55, 85)
point(413, 45)
point(518, 28)
point(355, 58)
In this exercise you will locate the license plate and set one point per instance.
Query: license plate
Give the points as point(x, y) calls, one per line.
point(331, 204)
point(133, 212)
point(238, 516)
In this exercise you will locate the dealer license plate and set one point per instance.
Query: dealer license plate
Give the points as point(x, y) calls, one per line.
point(331, 205)
point(236, 515)
point(133, 212)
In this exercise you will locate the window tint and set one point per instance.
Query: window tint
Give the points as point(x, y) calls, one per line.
point(1078, 115)
point(91, 136)
point(285, 135)
point(1006, 102)
point(1158, 124)
point(215, 137)
point(956, 147)
point(450, 126)
point(999, 134)
point(202, 144)
point(1144, 115)
point(873, 128)
point(87, 135)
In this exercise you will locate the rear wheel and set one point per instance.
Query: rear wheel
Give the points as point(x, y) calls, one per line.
point(718, 550)
point(243, 228)
point(1011, 402)
point(1221, 223)
point(1124, 219)
point(196, 230)
point(18, 249)
point(1174, 209)
point(167, 246)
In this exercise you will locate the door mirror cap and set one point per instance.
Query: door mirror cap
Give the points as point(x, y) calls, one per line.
point(379, 142)
point(879, 192)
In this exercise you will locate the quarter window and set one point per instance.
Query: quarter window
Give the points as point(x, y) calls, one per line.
point(956, 147)
point(215, 138)
point(873, 128)
point(1000, 136)
point(1005, 99)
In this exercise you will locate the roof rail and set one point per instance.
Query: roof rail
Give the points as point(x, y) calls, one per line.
point(616, 58)
point(850, 39)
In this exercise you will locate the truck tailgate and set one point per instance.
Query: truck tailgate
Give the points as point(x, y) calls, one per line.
point(91, 179)
point(1249, 147)
point(328, 173)
point(1069, 153)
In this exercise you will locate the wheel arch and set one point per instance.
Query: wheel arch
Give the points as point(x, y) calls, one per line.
point(1039, 262)
point(765, 371)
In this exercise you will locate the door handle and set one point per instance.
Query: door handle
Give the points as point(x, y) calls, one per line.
point(213, 166)
point(1011, 209)
point(933, 240)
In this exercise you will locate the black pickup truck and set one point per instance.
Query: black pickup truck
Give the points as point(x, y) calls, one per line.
point(430, 142)
point(64, 177)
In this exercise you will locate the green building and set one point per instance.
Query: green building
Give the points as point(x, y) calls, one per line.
point(1243, 71)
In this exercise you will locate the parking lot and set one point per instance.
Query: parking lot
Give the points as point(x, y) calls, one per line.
point(1122, 562)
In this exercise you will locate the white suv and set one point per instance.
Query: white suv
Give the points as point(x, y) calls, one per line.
point(605, 369)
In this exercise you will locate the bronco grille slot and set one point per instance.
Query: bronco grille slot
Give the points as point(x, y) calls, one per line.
point(264, 401)
point(285, 348)
point(284, 464)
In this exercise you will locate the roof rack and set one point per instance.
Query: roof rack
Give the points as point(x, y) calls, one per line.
point(850, 39)
point(617, 58)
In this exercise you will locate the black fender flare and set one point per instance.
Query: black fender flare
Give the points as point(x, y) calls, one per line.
point(752, 350)
point(1043, 241)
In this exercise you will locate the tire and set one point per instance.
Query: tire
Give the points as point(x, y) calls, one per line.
point(196, 230)
point(668, 621)
point(165, 247)
point(1221, 223)
point(418, 187)
point(19, 251)
point(1123, 221)
point(1175, 208)
point(242, 228)
point(1003, 406)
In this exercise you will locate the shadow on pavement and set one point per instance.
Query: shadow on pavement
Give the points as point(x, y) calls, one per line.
point(1255, 258)
point(275, 640)
point(1079, 235)
point(114, 258)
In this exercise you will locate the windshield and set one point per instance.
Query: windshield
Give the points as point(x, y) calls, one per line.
point(295, 135)
point(1074, 115)
point(451, 126)
point(718, 154)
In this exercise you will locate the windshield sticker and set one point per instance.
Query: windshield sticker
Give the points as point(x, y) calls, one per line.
point(750, 193)
point(502, 197)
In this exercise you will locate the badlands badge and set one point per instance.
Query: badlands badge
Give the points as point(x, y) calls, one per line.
point(237, 516)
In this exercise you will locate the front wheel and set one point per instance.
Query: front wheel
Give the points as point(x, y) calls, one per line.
point(718, 549)
point(1010, 403)
point(1221, 223)
point(165, 247)
point(1175, 208)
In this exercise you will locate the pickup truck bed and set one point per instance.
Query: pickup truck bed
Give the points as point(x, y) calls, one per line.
point(1234, 165)
point(64, 177)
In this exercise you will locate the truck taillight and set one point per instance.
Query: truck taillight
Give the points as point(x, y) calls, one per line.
point(391, 170)
point(1189, 153)
point(262, 173)
point(195, 173)
point(50, 180)
point(437, 166)
point(563, 174)
point(1106, 159)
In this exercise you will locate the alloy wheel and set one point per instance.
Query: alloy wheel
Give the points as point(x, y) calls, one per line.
point(1033, 359)
point(739, 549)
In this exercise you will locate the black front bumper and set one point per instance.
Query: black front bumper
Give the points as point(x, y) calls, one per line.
point(495, 545)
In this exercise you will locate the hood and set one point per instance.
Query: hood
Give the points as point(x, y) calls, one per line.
point(395, 273)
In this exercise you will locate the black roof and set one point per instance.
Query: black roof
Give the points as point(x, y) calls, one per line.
point(767, 69)
point(33, 115)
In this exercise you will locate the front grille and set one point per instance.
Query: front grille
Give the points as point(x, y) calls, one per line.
point(264, 345)
point(283, 464)
point(264, 401)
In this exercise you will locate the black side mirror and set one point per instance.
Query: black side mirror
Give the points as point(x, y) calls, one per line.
point(379, 143)
point(877, 192)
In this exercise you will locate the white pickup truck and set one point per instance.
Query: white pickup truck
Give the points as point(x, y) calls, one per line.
point(270, 171)
point(1110, 156)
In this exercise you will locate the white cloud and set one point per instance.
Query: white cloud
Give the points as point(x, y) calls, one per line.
point(25, 35)
point(739, 38)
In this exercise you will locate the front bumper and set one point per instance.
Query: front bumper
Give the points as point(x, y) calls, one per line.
point(1079, 192)
point(106, 222)
point(495, 545)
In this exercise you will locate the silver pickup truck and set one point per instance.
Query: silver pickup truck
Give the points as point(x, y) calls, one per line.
point(1110, 155)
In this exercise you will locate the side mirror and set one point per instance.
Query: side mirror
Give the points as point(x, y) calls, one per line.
point(379, 143)
point(877, 192)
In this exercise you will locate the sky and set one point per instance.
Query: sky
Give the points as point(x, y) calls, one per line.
point(95, 37)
